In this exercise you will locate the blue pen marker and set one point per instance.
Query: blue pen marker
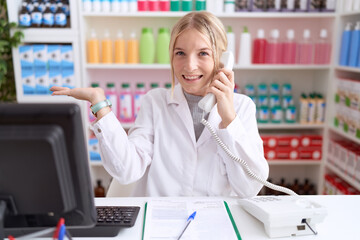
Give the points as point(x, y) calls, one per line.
point(192, 216)
point(62, 232)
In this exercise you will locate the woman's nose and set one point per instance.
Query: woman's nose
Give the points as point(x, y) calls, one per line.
point(191, 63)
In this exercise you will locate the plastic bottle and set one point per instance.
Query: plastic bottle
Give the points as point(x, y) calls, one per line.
point(245, 48)
point(289, 48)
point(48, 17)
point(260, 47)
point(355, 46)
point(132, 6)
point(153, 5)
point(322, 49)
point(162, 46)
point(96, 5)
point(24, 16)
point(105, 5)
point(274, 6)
point(231, 39)
point(126, 104)
point(53, 5)
point(93, 51)
point(167, 85)
point(139, 94)
point(133, 49)
point(345, 45)
point(311, 109)
point(164, 5)
point(143, 5)
point(273, 54)
point(154, 85)
point(147, 46)
point(112, 95)
point(320, 109)
point(174, 5)
point(229, 6)
point(60, 16)
point(106, 48)
point(115, 6)
point(305, 52)
point(200, 5)
point(124, 6)
point(303, 109)
point(120, 48)
point(356, 5)
point(186, 5)
point(36, 16)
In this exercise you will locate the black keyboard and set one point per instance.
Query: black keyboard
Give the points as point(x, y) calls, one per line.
point(110, 219)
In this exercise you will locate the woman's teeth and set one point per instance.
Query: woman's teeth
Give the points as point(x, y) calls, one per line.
point(192, 77)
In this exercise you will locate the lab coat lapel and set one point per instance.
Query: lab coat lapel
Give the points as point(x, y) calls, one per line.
point(182, 109)
point(214, 120)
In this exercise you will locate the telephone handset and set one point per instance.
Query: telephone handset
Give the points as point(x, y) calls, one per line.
point(207, 103)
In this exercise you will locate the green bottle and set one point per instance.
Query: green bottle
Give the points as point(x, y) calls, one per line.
point(162, 46)
point(147, 46)
point(186, 5)
point(175, 5)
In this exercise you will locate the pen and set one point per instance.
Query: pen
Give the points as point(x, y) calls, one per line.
point(192, 216)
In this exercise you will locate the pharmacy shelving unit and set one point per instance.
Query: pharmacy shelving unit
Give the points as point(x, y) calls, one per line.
point(340, 72)
point(304, 78)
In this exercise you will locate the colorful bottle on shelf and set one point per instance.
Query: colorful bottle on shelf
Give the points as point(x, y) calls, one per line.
point(142, 5)
point(93, 49)
point(305, 52)
point(112, 95)
point(200, 5)
point(153, 5)
point(119, 48)
point(133, 49)
point(345, 45)
point(106, 48)
point(174, 5)
point(322, 49)
point(245, 48)
point(259, 47)
point(147, 46)
point(60, 16)
point(105, 5)
point(186, 5)
point(162, 46)
point(164, 5)
point(87, 5)
point(231, 40)
point(24, 16)
point(139, 94)
point(289, 48)
point(355, 46)
point(229, 6)
point(115, 6)
point(126, 104)
point(274, 48)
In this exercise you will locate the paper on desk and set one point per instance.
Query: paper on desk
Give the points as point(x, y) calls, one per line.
point(165, 219)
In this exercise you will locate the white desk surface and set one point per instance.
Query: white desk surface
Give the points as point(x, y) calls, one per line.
point(342, 221)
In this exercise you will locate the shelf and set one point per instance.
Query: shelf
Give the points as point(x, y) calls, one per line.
point(294, 162)
point(48, 35)
point(236, 67)
point(345, 135)
point(222, 15)
point(345, 177)
point(348, 69)
point(289, 126)
point(46, 99)
point(352, 13)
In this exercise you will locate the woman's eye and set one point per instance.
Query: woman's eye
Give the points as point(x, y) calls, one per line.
point(180, 53)
point(204, 54)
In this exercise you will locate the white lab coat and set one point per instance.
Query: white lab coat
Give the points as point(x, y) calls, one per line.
point(162, 152)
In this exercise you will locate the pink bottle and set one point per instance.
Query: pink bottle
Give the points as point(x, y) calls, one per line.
point(259, 48)
point(111, 94)
point(126, 104)
point(154, 5)
point(274, 48)
point(322, 49)
point(289, 48)
point(305, 52)
point(139, 94)
point(142, 5)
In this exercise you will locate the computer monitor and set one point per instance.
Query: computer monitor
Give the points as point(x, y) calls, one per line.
point(44, 168)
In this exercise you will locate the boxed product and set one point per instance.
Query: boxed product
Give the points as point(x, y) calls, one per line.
point(42, 82)
point(40, 57)
point(28, 82)
point(54, 57)
point(26, 58)
point(310, 153)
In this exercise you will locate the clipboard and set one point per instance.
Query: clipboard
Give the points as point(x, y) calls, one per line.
point(164, 219)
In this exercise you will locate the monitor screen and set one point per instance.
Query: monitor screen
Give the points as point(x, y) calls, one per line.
point(44, 168)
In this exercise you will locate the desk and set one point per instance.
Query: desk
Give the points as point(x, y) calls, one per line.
point(342, 221)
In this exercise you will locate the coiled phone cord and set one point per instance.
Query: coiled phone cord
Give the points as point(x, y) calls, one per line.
point(244, 164)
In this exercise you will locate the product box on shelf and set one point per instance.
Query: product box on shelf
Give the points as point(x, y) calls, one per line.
point(287, 153)
point(311, 141)
point(67, 57)
point(28, 81)
point(357, 168)
point(94, 151)
point(310, 153)
point(291, 141)
point(353, 153)
point(54, 57)
point(55, 78)
point(40, 57)
point(41, 82)
point(26, 58)
point(68, 79)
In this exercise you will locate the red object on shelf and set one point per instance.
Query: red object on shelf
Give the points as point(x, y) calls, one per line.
point(164, 6)
point(269, 141)
point(269, 154)
point(142, 5)
point(287, 153)
point(288, 141)
point(310, 140)
point(259, 50)
point(311, 153)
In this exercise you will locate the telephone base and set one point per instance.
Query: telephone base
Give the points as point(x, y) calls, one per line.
point(285, 216)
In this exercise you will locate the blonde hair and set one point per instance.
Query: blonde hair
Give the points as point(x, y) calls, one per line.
point(208, 25)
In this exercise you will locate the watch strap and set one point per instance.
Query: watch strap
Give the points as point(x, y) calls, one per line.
point(95, 108)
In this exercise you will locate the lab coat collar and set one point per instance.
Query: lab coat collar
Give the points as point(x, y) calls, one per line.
point(182, 109)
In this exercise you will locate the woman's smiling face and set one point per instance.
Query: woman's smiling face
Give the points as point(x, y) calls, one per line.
point(193, 62)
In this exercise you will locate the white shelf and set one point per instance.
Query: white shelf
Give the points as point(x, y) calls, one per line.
point(52, 35)
point(348, 69)
point(289, 126)
point(294, 162)
point(236, 67)
point(352, 13)
point(223, 15)
point(345, 177)
point(345, 135)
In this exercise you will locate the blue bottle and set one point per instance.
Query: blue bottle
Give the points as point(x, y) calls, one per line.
point(345, 45)
point(354, 47)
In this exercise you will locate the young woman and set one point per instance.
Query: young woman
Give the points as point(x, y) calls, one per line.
point(168, 150)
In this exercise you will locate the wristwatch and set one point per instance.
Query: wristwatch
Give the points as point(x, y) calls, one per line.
point(97, 107)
